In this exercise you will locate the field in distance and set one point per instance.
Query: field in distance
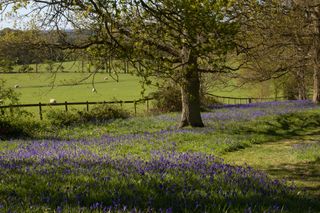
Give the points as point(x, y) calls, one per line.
point(36, 87)
point(73, 85)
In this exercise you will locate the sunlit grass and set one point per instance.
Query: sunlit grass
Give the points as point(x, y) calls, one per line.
point(148, 164)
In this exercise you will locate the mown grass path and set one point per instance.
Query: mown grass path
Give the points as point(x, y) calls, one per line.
point(284, 159)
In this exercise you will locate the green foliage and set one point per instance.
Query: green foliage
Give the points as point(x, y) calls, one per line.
point(99, 114)
point(7, 95)
point(25, 68)
point(309, 151)
point(290, 89)
point(62, 118)
point(18, 124)
point(6, 65)
point(50, 66)
point(26, 47)
point(282, 126)
point(167, 99)
point(11, 128)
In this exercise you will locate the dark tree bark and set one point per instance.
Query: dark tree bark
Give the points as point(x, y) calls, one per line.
point(190, 91)
point(316, 95)
point(301, 83)
point(191, 113)
point(316, 52)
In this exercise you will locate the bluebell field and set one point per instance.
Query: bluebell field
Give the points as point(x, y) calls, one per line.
point(147, 171)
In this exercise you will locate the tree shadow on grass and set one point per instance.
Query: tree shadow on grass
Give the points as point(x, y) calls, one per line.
point(284, 126)
point(308, 172)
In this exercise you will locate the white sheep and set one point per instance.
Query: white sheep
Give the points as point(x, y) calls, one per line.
point(105, 78)
point(94, 90)
point(53, 101)
point(16, 86)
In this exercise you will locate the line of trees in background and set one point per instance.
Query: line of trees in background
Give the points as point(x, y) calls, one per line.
point(185, 41)
point(19, 47)
point(285, 47)
point(25, 47)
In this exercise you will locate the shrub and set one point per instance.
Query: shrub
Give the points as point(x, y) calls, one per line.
point(17, 125)
point(102, 113)
point(25, 68)
point(168, 99)
point(6, 65)
point(62, 118)
point(7, 95)
point(99, 114)
point(9, 128)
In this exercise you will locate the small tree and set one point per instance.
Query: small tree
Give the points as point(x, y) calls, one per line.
point(7, 95)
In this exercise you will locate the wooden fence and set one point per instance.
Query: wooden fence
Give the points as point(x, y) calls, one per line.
point(247, 100)
point(87, 104)
point(221, 99)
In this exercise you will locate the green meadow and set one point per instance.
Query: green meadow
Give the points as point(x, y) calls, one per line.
point(72, 87)
point(255, 158)
point(76, 86)
point(260, 157)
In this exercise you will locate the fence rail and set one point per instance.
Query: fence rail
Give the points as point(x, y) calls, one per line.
point(242, 100)
point(222, 99)
point(86, 103)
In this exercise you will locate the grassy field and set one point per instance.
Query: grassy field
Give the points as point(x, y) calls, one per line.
point(41, 87)
point(146, 164)
point(36, 88)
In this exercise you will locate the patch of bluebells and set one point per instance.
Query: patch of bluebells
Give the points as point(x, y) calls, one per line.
point(228, 113)
point(61, 178)
point(272, 104)
point(87, 174)
point(246, 112)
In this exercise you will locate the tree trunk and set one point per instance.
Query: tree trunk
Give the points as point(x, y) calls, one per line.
point(190, 89)
point(301, 83)
point(316, 54)
point(316, 95)
point(190, 93)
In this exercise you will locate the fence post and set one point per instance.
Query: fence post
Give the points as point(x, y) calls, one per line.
point(11, 110)
point(135, 107)
point(87, 106)
point(66, 106)
point(82, 65)
point(250, 100)
point(147, 105)
point(40, 111)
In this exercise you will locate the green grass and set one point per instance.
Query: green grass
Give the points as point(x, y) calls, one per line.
point(36, 88)
point(64, 86)
point(282, 160)
point(104, 168)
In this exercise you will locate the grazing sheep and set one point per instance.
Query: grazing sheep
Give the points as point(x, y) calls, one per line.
point(53, 101)
point(16, 86)
point(94, 90)
point(105, 78)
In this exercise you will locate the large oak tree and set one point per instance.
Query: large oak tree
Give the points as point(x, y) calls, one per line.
point(175, 39)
